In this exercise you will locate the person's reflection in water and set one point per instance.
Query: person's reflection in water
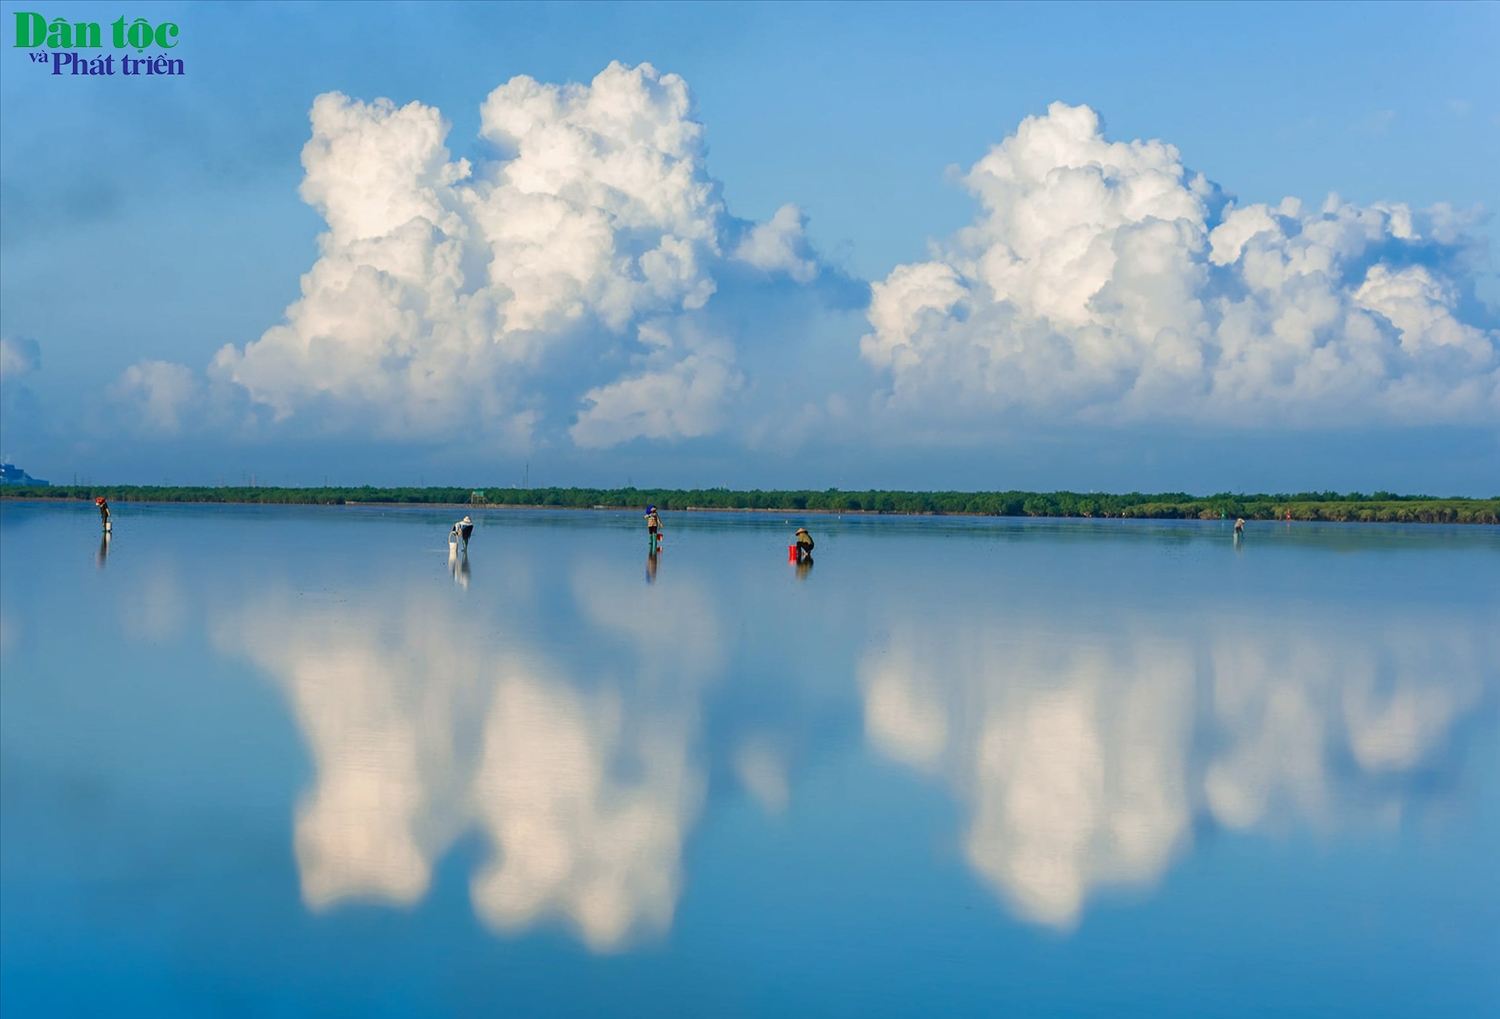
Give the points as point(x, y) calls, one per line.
point(103, 554)
point(651, 567)
point(804, 568)
point(458, 565)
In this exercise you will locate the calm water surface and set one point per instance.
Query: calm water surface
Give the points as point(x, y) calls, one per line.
point(292, 761)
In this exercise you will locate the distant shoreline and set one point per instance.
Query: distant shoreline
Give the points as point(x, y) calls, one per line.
point(1355, 507)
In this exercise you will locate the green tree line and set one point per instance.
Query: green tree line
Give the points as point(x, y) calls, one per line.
point(1332, 506)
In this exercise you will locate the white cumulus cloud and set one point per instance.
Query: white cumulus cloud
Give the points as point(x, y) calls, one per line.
point(587, 285)
point(565, 283)
point(1102, 281)
point(779, 245)
point(160, 395)
point(684, 390)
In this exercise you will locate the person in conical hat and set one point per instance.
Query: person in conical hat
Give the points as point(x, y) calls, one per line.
point(804, 545)
point(464, 528)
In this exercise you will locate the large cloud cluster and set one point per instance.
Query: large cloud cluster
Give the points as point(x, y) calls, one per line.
point(588, 286)
point(561, 283)
point(1105, 282)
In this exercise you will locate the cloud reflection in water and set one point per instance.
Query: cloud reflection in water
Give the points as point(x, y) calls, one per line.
point(422, 726)
point(1085, 764)
point(571, 838)
point(1086, 757)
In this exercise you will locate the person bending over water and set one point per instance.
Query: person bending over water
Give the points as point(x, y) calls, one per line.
point(103, 505)
point(804, 545)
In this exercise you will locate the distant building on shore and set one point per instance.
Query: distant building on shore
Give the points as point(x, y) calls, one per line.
point(10, 474)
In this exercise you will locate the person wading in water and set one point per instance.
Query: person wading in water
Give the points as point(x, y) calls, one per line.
point(653, 528)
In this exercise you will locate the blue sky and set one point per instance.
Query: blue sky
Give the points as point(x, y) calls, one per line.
point(1078, 313)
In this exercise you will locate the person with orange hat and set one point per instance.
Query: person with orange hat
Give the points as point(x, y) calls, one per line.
point(103, 505)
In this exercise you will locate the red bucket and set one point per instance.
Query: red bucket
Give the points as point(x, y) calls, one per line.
point(791, 553)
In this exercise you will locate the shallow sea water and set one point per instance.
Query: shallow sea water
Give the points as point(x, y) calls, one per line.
point(263, 761)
